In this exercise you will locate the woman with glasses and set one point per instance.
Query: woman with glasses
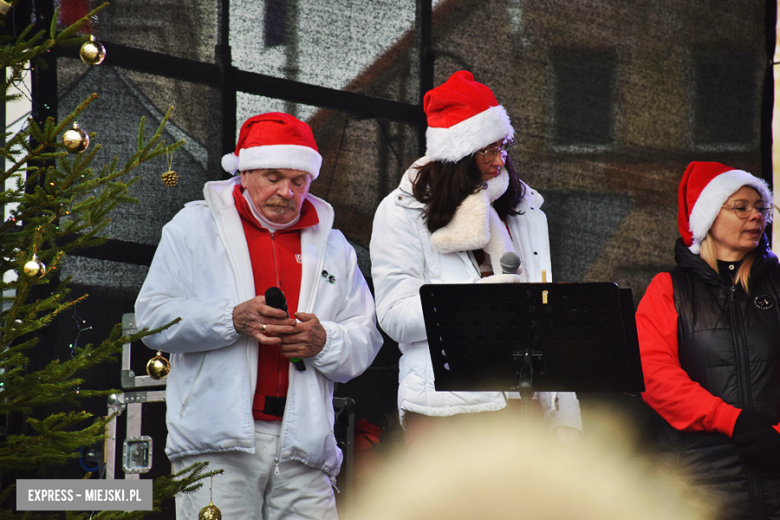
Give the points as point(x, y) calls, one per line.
point(456, 212)
point(709, 336)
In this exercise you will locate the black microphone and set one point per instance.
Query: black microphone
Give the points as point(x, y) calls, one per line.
point(510, 263)
point(274, 297)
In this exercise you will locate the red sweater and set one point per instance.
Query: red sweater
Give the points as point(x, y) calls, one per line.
point(276, 261)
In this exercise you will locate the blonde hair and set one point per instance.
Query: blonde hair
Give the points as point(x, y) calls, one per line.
point(743, 273)
point(501, 469)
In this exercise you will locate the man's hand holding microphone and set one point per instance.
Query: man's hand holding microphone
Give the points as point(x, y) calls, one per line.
point(266, 319)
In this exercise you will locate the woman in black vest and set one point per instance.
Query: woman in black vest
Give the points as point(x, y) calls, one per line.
point(709, 335)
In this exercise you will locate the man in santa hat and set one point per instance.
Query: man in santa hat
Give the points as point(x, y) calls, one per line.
point(250, 388)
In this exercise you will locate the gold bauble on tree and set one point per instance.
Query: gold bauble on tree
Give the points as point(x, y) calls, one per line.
point(35, 268)
point(92, 51)
point(210, 512)
point(158, 367)
point(75, 140)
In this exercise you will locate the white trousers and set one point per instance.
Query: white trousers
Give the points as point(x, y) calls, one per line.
point(249, 489)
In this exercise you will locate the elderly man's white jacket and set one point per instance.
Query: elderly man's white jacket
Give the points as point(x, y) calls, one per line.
point(403, 259)
point(200, 272)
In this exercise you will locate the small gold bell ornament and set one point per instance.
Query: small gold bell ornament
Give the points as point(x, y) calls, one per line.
point(75, 140)
point(158, 367)
point(210, 512)
point(35, 268)
point(92, 51)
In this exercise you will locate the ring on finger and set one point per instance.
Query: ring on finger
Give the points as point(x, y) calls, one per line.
point(262, 328)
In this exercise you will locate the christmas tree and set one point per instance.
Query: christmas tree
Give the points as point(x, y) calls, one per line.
point(59, 200)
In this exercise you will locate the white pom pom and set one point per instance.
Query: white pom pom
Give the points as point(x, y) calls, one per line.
point(230, 163)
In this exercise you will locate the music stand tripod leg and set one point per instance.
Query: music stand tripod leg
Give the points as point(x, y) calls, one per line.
point(523, 361)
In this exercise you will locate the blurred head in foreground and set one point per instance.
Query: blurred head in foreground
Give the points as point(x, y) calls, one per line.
point(499, 471)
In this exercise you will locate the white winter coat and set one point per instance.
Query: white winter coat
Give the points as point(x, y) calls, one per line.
point(200, 272)
point(403, 259)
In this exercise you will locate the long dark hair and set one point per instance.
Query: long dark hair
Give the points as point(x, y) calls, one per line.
point(443, 186)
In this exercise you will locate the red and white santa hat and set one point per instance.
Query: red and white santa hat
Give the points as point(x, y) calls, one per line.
point(463, 117)
point(274, 140)
point(705, 186)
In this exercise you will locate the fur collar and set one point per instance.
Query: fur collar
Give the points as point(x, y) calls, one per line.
point(476, 225)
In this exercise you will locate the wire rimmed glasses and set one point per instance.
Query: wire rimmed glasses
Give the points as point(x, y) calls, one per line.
point(743, 209)
point(489, 155)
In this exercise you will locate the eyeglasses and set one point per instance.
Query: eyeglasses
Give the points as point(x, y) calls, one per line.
point(743, 209)
point(489, 155)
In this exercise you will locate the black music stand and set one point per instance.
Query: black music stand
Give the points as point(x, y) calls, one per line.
point(566, 337)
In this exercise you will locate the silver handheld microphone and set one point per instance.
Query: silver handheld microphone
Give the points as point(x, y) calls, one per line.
point(510, 263)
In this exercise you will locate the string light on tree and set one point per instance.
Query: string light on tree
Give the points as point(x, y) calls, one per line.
point(62, 204)
point(81, 326)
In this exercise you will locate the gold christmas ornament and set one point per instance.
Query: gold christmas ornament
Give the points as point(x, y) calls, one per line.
point(75, 140)
point(35, 268)
point(210, 512)
point(158, 367)
point(170, 178)
point(4, 7)
point(92, 51)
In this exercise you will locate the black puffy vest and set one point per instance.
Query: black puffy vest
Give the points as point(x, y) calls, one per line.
point(729, 342)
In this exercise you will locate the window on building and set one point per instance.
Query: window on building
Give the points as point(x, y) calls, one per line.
point(725, 98)
point(583, 98)
point(275, 23)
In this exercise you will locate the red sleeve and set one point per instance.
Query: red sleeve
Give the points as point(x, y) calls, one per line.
point(669, 390)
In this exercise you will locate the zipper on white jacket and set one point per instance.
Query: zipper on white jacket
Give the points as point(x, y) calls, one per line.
point(276, 465)
point(333, 484)
point(273, 251)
